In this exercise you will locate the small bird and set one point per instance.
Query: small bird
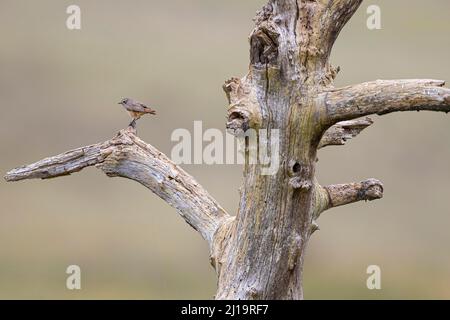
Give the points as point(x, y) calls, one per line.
point(136, 109)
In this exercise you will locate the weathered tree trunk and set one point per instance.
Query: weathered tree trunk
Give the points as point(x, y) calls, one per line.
point(289, 68)
point(289, 88)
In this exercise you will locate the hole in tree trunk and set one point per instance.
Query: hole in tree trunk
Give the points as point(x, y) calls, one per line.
point(296, 167)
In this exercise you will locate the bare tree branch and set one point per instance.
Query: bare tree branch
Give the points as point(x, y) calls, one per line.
point(341, 132)
point(342, 194)
point(342, 11)
point(339, 12)
point(386, 96)
point(128, 156)
point(259, 254)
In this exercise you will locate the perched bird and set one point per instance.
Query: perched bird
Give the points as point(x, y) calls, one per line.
point(136, 109)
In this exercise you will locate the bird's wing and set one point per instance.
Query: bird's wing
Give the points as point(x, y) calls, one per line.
point(137, 107)
point(145, 108)
point(142, 105)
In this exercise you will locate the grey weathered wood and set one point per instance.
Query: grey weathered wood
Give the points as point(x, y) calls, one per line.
point(342, 194)
point(128, 156)
point(387, 96)
point(341, 132)
point(289, 87)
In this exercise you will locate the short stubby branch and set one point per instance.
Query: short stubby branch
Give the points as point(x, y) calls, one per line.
point(341, 132)
point(386, 96)
point(244, 111)
point(128, 156)
point(342, 194)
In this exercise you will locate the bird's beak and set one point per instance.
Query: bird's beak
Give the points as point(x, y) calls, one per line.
point(119, 102)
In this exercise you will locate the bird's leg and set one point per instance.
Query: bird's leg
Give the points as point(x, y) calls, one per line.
point(133, 124)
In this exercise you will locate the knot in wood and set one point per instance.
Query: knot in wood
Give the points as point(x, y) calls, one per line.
point(264, 45)
point(371, 189)
point(238, 122)
point(300, 176)
point(264, 14)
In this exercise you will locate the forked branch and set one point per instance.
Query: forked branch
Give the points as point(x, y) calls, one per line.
point(128, 156)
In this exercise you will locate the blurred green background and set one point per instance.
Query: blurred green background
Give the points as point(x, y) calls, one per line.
point(59, 89)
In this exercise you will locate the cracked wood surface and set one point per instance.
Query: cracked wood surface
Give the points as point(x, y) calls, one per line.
point(342, 194)
point(386, 96)
point(127, 156)
point(341, 132)
point(259, 253)
point(290, 87)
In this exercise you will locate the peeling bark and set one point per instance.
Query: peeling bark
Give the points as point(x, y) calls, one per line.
point(340, 133)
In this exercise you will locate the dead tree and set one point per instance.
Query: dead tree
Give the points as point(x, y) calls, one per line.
point(289, 86)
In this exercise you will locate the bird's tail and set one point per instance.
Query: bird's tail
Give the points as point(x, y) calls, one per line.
point(150, 111)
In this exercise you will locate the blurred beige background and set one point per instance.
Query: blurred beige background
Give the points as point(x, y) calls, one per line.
point(59, 89)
